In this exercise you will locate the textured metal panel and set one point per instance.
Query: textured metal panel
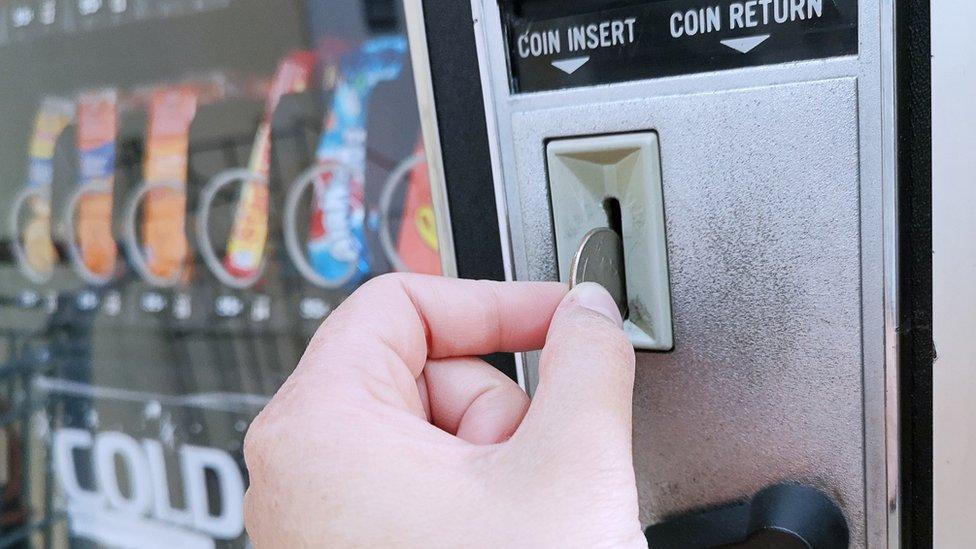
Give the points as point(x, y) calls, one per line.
point(856, 468)
point(762, 201)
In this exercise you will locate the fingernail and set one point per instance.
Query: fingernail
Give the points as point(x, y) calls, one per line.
point(594, 297)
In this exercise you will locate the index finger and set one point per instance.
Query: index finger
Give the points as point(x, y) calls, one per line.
point(420, 317)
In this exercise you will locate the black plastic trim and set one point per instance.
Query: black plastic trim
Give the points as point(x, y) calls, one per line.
point(784, 516)
point(464, 137)
point(914, 98)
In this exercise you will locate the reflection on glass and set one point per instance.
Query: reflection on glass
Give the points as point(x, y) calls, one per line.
point(189, 187)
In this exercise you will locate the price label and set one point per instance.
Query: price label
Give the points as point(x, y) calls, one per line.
point(182, 307)
point(22, 15)
point(313, 308)
point(29, 299)
point(89, 7)
point(87, 301)
point(112, 303)
point(48, 12)
point(152, 302)
point(51, 302)
point(261, 309)
point(27, 19)
point(228, 306)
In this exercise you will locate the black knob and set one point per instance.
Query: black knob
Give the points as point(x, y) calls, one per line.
point(784, 516)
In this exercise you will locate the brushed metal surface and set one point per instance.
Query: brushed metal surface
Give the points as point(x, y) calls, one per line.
point(761, 195)
point(860, 94)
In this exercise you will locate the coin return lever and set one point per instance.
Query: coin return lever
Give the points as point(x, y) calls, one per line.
point(615, 181)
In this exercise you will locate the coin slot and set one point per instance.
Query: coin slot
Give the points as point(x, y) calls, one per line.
point(615, 222)
point(614, 215)
point(614, 181)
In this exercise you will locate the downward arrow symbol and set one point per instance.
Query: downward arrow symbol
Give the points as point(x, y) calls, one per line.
point(571, 65)
point(745, 45)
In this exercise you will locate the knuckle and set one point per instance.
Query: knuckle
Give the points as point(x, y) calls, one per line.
point(256, 517)
point(380, 288)
point(385, 288)
point(511, 394)
point(384, 283)
point(253, 449)
point(258, 443)
point(251, 514)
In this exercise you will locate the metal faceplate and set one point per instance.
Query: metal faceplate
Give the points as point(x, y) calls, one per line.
point(778, 187)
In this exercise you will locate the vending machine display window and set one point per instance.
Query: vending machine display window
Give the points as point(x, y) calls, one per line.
point(187, 189)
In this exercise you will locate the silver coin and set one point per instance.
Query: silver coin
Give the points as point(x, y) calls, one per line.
point(600, 259)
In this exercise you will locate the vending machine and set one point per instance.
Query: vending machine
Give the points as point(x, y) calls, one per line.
point(187, 189)
point(766, 165)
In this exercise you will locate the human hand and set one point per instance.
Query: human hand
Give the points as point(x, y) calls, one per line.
point(389, 433)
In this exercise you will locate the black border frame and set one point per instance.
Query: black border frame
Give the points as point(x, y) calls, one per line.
point(917, 348)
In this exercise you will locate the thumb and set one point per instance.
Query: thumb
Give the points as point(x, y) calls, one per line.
point(586, 376)
point(576, 435)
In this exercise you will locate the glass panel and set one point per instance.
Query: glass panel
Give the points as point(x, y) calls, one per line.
point(187, 189)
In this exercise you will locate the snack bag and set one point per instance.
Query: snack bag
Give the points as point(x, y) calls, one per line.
point(249, 234)
point(53, 117)
point(171, 113)
point(97, 132)
point(337, 244)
